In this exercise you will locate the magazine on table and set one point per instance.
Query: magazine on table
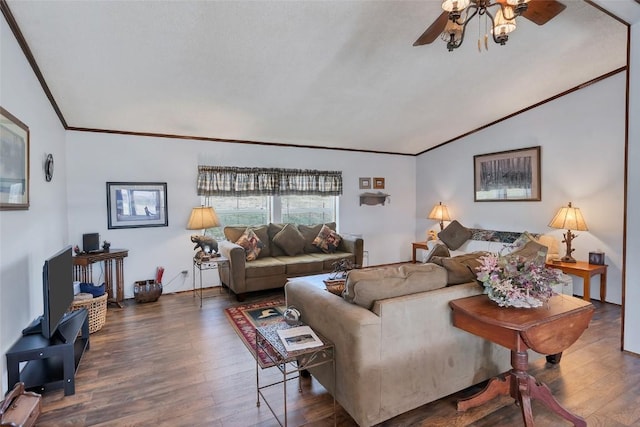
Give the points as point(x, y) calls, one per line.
point(299, 338)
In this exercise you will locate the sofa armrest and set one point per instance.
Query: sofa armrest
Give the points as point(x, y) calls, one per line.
point(234, 277)
point(354, 245)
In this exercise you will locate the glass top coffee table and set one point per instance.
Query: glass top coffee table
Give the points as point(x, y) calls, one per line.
point(290, 363)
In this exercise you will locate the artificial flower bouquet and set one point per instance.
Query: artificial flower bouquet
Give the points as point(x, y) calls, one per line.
point(513, 281)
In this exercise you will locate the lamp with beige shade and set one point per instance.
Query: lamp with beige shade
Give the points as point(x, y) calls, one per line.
point(569, 218)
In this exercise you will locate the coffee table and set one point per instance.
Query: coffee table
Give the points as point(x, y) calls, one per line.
point(549, 329)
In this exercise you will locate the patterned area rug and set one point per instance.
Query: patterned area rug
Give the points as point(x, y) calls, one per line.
point(245, 318)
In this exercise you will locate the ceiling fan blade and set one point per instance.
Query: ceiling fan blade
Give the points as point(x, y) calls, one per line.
point(542, 11)
point(433, 31)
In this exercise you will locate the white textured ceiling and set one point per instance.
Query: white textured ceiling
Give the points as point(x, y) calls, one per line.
point(317, 73)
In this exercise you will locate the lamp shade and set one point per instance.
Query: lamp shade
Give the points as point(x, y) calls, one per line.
point(569, 218)
point(439, 213)
point(203, 217)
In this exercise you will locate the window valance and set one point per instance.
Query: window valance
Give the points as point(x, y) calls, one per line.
point(236, 181)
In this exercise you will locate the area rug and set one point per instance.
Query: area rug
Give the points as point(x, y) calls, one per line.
point(247, 317)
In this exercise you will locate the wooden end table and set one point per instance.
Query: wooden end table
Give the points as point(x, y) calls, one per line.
point(585, 270)
point(418, 245)
point(550, 330)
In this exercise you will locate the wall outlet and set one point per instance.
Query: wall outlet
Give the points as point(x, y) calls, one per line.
point(185, 271)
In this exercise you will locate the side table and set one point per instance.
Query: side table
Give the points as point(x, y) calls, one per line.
point(549, 329)
point(83, 271)
point(290, 363)
point(418, 245)
point(215, 263)
point(585, 270)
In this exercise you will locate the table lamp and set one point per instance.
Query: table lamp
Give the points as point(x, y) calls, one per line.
point(569, 218)
point(440, 213)
point(201, 218)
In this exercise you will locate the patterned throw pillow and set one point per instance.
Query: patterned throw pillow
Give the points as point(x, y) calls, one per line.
point(251, 244)
point(327, 240)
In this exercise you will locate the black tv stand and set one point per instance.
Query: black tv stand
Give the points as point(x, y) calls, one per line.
point(51, 363)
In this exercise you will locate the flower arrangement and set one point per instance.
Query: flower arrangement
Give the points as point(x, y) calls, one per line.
point(513, 281)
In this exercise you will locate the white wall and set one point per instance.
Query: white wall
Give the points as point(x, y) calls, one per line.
point(28, 237)
point(582, 157)
point(98, 158)
point(632, 281)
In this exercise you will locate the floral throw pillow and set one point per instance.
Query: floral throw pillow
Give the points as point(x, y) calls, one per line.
point(327, 240)
point(251, 244)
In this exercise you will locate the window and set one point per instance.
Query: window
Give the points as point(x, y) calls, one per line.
point(256, 210)
point(308, 210)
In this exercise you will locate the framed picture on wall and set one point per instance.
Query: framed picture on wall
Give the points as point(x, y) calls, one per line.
point(378, 183)
point(136, 204)
point(365, 183)
point(507, 176)
point(14, 162)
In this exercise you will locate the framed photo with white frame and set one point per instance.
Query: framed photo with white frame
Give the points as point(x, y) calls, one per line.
point(507, 176)
point(136, 204)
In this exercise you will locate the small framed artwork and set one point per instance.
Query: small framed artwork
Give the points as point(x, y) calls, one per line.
point(596, 258)
point(378, 183)
point(14, 162)
point(136, 204)
point(365, 183)
point(507, 176)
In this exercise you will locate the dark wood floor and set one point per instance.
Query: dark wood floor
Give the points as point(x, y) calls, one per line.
point(172, 363)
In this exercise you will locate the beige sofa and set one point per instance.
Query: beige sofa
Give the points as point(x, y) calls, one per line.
point(274, 265)
point(396, 347)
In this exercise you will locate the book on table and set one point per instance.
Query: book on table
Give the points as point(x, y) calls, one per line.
point(299, 338)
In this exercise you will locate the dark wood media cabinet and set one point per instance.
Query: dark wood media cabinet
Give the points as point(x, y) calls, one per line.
point(51, 364)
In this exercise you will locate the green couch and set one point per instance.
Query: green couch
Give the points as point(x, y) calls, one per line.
point(281, 258)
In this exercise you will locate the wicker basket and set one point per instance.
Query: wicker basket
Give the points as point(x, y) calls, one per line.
point(97, 308)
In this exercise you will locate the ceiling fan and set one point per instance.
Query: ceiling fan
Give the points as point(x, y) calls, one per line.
point(452, 21)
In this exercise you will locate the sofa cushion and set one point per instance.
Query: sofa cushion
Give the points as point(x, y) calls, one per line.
point(327, 240)
point(310, 232)
point(264, 267)
point(461, 268)
point(301, 265)
point(251, 244)
point(454, 235)
point(289, 240)
point(364, 287)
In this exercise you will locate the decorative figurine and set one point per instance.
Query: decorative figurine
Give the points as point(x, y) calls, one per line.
point(208, 247)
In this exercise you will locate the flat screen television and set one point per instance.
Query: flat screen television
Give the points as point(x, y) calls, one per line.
point(57, 292)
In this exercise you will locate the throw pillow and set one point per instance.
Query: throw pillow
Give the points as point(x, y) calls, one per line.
point(251, 244)
point(532, 251)
point(310, 232)
point(233, 232)
point(272, 230)
point(289, 240)
point(263, 234)
point(460, 269)
point(454, 235)
point(327, 240)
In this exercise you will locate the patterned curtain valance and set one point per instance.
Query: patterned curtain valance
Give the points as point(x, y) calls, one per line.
point(235, 181)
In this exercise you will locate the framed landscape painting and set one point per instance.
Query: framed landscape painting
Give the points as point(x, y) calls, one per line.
point(507, 176)
point(14, 162)
point(136, 204)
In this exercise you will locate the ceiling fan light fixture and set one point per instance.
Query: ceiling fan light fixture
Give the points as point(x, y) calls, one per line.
point(455, 5)
point(503, 23)
point(519, 6)
point(452, 34)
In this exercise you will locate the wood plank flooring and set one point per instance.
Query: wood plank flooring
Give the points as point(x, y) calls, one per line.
point(172, 363)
